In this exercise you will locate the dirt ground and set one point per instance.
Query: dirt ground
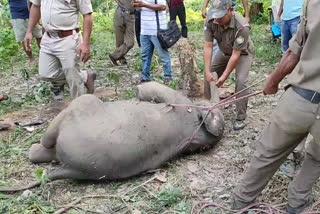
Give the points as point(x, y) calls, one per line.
point(174, 188)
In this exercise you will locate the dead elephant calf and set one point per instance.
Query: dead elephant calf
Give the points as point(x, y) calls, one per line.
point(115, 140)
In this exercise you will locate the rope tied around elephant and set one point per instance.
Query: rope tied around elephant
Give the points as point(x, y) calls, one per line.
point(229, 100)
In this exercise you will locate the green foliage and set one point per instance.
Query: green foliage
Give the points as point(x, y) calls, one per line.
point(41, 94)
point(174, 83)
point(114, 77)
point(200, 64)
point(130, 93)
point(41, 175)
point(169, 197)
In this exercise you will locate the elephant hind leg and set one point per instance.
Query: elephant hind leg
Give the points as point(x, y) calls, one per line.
point(40, 154)
point(67, 173)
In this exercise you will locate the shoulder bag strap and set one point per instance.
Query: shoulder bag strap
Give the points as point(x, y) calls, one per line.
point(157, 17)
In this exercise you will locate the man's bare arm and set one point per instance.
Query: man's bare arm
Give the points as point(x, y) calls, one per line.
point(84, 47)
point(246, 9)
point(157, 7)
point(280, 11)
point(207, 55)
point(287, 64)
point(35, 15)
point(232, 63)
point(204, 8)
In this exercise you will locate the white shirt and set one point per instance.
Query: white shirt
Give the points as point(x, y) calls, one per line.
point(148, 18)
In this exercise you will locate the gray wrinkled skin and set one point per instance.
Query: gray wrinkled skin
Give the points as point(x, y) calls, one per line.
point(116, 140)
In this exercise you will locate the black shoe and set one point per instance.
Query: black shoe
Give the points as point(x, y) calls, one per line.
point(90, 82)
point(167, 80)
point(123, 61)
point(113, 60)
point(144, 81)
point(239, 125)
point(300, 209)
point(58, 92)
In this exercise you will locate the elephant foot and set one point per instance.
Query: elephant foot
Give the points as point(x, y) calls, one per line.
point(40, 154)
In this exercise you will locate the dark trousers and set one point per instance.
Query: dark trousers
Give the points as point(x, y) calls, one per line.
point(138, 25)
point(180, 11)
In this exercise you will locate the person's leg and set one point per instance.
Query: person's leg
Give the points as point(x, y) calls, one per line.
point(127, 35)
point(146, 56)
point(294, 26)
point(50, 70)
point(70, 62)
point(289, 124)
point(164, 57)
point(242, 73)
point(285, 35)
point(218, 66)
point(182, 18)
point(173, 13)
point(215, 49)
point(119, 30)
point(20, 28)
point(138, 26)
point(300, 189)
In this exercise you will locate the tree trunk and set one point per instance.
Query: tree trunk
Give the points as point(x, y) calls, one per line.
point(256, 8)
point(188, 81)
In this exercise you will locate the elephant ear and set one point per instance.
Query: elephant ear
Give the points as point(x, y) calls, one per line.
point(214, 123)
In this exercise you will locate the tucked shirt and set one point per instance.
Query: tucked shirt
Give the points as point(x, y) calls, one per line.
point(126, 4)
point(175, 3)
point(291, 9)
point(149, 20)
point(234, 37)
point(57, 15)
point(19, 9)
point(306, 44)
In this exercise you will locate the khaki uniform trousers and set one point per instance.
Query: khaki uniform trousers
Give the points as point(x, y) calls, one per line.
point(219, 64)
point(59, 63)
point(124, 30)
point(290, 123)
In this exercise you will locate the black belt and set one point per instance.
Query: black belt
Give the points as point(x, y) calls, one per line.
point(124, 10)
point(310, 95)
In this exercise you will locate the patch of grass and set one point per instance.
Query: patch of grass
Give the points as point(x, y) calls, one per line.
point(266, 49)
point(130, 93)
point(40, 94)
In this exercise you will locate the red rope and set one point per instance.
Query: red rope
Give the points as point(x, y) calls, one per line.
point(257, 207)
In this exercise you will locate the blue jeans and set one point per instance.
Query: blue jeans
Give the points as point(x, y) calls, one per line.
point(288, 30)
point(148, 44)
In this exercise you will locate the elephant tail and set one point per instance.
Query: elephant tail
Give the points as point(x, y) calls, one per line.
point(20, 188)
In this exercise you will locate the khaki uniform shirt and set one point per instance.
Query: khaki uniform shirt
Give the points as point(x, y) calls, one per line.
point(126, 4)
point(234, 37)
point(57, 15)
point(306, 44)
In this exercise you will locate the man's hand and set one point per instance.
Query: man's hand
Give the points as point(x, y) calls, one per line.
point(27, 41)
point(270, 86)
point(248, 18)
point(278, 19)
point(209, 77)
point(138, 4)
point(84, 52)
point(220, 81)
point(204, 13)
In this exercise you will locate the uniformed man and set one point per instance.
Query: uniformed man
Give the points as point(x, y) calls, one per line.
point(62, 45)
point(123, 23)
point(231, 31)
point(297, 115)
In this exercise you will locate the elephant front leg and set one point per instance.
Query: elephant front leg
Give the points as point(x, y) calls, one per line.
point(40, 154)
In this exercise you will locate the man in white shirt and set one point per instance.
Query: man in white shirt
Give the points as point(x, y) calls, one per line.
point(148, 38)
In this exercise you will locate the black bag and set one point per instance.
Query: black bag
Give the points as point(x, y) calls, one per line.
point(170, 36)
